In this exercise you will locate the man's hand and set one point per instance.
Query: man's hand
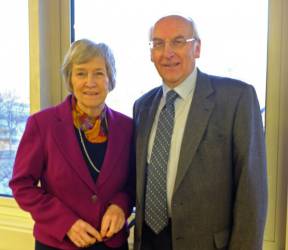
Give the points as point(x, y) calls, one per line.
point(82, 234)
point(112, 221)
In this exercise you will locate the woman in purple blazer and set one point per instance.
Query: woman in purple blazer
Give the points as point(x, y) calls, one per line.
point(73, 170)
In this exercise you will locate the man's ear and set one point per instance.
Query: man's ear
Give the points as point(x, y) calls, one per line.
point(151, 57)
point(197, 48)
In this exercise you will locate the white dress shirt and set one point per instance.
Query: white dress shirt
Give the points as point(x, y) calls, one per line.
point(182, 105)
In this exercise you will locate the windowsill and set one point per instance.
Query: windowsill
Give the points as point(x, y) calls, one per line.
point(13, 218)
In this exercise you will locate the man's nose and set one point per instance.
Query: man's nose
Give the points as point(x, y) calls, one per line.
point(168, 51)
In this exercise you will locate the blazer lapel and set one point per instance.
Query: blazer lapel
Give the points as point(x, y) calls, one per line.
point(201, 108)
point(66, 140)
point(113, 151)
point(144, 125)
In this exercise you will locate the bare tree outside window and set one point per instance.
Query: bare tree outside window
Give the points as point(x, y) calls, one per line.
point(14, 84)
point(13, 116)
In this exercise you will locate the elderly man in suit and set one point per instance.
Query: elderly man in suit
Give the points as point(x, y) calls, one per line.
point(200, 152)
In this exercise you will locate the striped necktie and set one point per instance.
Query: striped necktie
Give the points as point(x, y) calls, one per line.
point(156, 211)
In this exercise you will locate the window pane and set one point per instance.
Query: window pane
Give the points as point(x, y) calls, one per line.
point(14, 83)
point(233, 34)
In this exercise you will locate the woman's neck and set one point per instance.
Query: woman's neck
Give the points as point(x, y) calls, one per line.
point(92, 112)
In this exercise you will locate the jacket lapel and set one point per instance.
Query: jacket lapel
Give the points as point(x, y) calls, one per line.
point(66, 140)
point(113, 151)
point(144, 125)
point(201, 108)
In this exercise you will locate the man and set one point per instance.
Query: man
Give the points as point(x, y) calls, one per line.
point(200, 153)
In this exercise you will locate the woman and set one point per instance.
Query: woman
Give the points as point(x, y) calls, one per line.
point(73, 167)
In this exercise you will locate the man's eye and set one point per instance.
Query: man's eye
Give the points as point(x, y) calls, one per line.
point(158, 44)
point(178, 42)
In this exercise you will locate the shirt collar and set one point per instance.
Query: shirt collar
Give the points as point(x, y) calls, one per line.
point(185, 88)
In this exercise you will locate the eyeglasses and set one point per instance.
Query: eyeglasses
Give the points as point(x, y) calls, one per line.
point(175, 43)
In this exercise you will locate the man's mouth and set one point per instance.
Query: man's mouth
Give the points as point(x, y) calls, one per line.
point(170, 65)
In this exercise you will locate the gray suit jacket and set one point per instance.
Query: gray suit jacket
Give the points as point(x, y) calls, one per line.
point(220, 195)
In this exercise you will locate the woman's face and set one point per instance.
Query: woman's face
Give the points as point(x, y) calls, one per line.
point(90, 85)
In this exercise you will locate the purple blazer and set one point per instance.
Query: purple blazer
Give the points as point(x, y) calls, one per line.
point(50, 153)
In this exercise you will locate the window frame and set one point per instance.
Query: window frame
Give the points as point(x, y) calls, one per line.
point(49, 30)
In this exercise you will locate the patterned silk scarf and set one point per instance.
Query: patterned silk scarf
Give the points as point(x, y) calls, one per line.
point(94, 128)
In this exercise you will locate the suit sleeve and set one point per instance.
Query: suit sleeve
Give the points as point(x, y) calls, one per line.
point(249, 161)
point(52, 216)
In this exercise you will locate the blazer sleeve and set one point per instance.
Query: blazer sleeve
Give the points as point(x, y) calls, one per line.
point(51, 215)
point(249, 158)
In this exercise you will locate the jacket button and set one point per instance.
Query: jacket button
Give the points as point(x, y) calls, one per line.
point(94, 198)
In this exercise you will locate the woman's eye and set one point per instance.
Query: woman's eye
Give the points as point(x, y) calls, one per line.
point(99, 73)
point(80, 74)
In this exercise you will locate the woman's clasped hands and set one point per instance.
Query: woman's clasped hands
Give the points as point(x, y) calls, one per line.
point(82, 234)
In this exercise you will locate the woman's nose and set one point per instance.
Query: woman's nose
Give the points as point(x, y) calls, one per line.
point(91, 80)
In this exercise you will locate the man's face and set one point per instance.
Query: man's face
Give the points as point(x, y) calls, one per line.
point(173, 61)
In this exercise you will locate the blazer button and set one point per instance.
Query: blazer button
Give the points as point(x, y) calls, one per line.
point(94, 198)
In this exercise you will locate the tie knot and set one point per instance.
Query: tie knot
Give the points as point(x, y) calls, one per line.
point(171, 97)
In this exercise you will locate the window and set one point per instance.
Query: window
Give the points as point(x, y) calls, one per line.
point(253, 22)
point(14, 84)
point(234, 40)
